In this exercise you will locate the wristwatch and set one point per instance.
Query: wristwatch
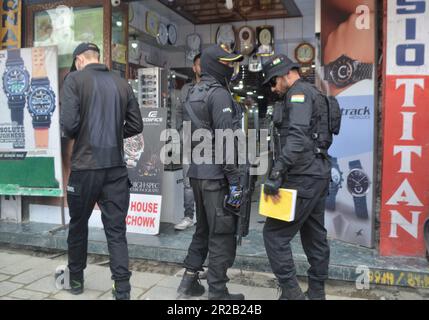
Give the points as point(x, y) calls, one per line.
point(358, 185)
point(41, 100)
point(133, 149)
point(16, 82)
point(334, 185)
point(345, 71)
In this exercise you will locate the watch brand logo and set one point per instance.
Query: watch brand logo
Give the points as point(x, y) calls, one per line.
point(357, 113)
point(152, 117)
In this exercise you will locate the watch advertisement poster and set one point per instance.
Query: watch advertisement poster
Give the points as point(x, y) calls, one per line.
point(349, 73)
point(10, 31)
point(145, 170)
point(405, 175)
point(30, 150)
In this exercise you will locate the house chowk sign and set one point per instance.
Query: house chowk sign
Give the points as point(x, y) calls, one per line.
point(405, 181)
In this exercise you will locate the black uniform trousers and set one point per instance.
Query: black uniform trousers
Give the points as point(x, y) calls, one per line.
point(309, 221)
point(214, 234)
point(109, 188)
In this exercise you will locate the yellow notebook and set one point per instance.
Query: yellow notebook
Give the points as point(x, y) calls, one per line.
point(284, 210)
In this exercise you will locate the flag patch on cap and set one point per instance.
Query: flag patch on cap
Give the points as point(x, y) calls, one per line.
point(276, 61)
point(298, 98)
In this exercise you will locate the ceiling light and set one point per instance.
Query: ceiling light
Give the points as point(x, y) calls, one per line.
point(260, 97)
point(249, 93)
point(119, 23)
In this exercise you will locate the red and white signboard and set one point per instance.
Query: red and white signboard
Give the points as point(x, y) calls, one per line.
point(144, 214)
point(405, 179)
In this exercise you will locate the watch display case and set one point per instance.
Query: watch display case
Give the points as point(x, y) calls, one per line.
point(153, 87)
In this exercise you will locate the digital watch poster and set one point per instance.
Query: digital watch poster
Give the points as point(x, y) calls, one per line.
point(30, 150)
point(349, 73)
point(145, 170)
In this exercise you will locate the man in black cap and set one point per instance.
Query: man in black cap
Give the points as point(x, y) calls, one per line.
point(209, 106)
point(98, 110)
point(302, 165)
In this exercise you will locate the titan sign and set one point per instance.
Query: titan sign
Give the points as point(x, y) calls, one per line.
point(405, 182)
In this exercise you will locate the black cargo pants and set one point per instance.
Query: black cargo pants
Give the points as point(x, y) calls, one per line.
point(109, 188)
point(309, 221)
point(214, 234)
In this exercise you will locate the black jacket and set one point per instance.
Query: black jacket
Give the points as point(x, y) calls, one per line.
point(98, 110)
point(297, 156)
point(218, 112)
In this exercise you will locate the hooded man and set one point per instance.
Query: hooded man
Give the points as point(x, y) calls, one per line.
point(209, 106)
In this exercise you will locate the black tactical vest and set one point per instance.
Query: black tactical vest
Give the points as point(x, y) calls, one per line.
point(325, 122)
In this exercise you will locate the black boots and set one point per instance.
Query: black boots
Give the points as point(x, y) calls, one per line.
point(76, 283)
point(121, 290)
point(191, 285)
point(316, 290)
point(225, 295)
point(290, 290)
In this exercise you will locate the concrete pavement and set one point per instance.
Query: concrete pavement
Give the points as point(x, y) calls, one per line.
point(28, 275)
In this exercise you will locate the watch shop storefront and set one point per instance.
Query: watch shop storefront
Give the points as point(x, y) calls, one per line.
point(339, 45)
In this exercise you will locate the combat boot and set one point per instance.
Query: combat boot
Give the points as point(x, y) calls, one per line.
point(191, 285)
point(290, 290)
point(121, 290)
point(225, 295)
point(316, 290)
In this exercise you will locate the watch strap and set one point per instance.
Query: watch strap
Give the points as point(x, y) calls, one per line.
point(17, 115)
point(38, 56)
point(361, 208)
point(41, 122)
point(364, 71)
point(356, 164)
point(14, 57)
point(41, 137)
point(331, 199)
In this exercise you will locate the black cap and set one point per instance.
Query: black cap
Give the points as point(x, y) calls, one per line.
point(84, 46)
point(223, 53)
point(277, 65)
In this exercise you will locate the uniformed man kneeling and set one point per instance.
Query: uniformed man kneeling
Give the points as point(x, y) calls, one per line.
point(303, 165)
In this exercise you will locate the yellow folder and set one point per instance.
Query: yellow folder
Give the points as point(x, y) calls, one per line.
point(283, 210)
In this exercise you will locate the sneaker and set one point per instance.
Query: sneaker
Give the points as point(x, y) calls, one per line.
point(226, 296)
point(125, 295)
point(184, 224)
point(76, 287)
point(191, 285)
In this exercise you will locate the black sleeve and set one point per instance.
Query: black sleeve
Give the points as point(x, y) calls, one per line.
point(222, 111)
point(133, 118)
point(70, 108)
point(180, 106)
point(299, 104)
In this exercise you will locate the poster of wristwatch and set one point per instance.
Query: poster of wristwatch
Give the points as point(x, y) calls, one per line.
point(30, 150)
point(348, 73)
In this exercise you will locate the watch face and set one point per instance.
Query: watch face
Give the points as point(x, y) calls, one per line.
point(226, 35)
point(16, 81)
point(194, 42)
point(152, 23)
point(357, 183)
point(41, 101)
point(335, 176)
point(162, 34)
point(342, 72)
point(265, 37)
point(305, 53)
point(172, 34)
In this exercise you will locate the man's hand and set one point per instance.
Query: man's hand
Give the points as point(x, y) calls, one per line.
point(273, 183)
point(234, 198)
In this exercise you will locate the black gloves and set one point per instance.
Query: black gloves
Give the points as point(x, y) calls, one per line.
point(273, 183)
